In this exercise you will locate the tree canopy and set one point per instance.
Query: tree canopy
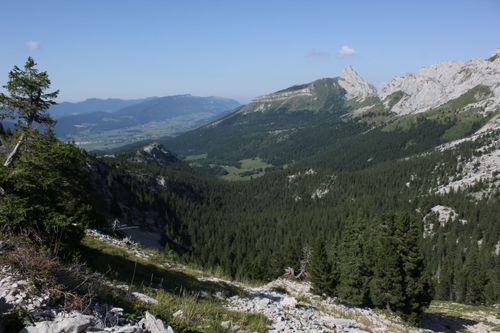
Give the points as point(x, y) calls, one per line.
point(28, 99)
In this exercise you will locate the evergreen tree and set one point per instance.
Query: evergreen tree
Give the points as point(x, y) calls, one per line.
point(353, 271)
point(28, 100)
point(386, 285)
point(417, 283)
point(48, 194)
point(399, 281)
point(320, 270)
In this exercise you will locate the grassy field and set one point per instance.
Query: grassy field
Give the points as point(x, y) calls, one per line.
point(249, 168)
point(192, 158)
point(175, 288)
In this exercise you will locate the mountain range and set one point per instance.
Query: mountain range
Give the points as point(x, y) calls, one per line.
point(333, 121)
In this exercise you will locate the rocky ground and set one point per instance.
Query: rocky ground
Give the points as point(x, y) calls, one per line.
point(21, 296)
point(293, 308)
point(289, 305)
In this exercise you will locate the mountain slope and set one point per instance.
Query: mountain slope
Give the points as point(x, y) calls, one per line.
point(326, 95)
point(323, 119)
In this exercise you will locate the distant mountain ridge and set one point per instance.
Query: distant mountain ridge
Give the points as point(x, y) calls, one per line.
point(118, 122)
point(66, 109)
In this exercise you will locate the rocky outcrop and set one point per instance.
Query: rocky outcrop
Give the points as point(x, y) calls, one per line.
point(19, 292)
point(356, 87)
point(439, 216)
point(124, 243)
point(155, 153)
point(73, 322)
point(433, 86)
point(482, 167)
point(298, 91)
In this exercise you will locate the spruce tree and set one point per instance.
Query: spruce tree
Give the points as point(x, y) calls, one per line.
point(27, 101)
point(320, 270)
point(399, 281)
point(353, 271)
point(417, 283)
point(386, 285)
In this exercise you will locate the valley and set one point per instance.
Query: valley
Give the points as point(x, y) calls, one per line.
point(330, 206)
point(106, 124)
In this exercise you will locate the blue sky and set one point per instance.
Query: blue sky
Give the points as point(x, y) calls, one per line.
point(238, 49)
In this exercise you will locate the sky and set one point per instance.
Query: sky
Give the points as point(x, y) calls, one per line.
point(236, 49)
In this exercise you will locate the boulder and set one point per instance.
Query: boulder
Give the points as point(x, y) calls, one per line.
point(289, 302)
point(153, 325)
point(74, 322)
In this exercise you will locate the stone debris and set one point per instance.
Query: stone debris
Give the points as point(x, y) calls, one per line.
point(125, 243)
point(153, 325)
point(50, 318)
point(73, 322)
point(298, 310)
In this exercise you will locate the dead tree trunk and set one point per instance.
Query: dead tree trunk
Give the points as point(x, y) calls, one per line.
point(14, 151)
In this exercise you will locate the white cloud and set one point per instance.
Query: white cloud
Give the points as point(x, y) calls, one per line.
point(33, 44)
point(346, 51)
point(318, 54)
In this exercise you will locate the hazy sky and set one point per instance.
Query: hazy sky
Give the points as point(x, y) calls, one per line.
point(238, 49)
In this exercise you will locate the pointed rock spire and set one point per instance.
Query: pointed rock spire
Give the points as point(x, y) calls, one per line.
point(356, 87)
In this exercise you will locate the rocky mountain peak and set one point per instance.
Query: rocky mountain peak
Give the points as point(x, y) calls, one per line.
point(435, 85)
point(495, 56)
point(357, 88)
